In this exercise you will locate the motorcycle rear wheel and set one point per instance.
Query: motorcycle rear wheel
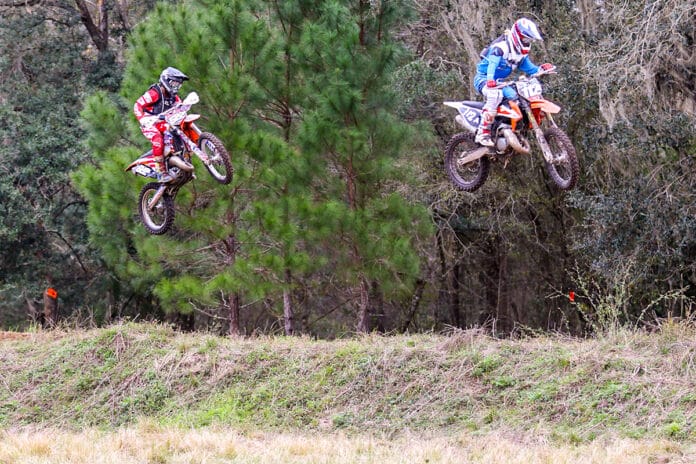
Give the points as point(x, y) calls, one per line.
point(565, 169)
point(157, 218)
point(220, 166)
point(472, 175)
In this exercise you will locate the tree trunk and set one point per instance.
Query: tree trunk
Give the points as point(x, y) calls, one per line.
point(490, 274)
point(98, 30)
point(50, 308)
point(443, 290)
point(33, 311)
point(454, 301)
point(288, 312)
point(364, 308)
point(233, 300)
point(415, 302)
point(377, 302)
point(234, 315)
point(502, 304)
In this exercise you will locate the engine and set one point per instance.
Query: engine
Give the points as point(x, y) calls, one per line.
point(509, 139)
point(501, 145)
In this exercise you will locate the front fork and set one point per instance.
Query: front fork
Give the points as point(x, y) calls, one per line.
point(199, 153)
point(541, 139)
point(170, 189)
point(191, 145)
point(156, 197)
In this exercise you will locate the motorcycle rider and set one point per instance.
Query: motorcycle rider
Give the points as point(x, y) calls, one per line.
point(160, 97)
point(503, 56)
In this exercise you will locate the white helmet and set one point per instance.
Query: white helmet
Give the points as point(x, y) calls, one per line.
point(522, 33)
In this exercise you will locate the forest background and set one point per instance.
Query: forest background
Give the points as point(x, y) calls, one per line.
point(340, 216)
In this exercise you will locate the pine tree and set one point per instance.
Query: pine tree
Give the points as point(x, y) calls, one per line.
point(351, 133)
point(293, 123)
point(219, 255)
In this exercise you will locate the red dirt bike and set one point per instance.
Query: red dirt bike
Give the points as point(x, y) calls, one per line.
point(468, 164)
point(182, 139)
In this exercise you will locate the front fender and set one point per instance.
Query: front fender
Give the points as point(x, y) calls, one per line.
point(546, 106)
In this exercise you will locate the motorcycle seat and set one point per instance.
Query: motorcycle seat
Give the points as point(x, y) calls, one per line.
point(473, 104)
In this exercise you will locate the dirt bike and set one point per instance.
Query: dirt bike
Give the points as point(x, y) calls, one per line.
point(468, 164)
point(181, 139)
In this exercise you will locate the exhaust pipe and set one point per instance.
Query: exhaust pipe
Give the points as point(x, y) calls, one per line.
point(515, 143)
point(181, 163)
point(473, 156)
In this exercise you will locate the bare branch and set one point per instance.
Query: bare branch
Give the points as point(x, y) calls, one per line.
point(646, 51)
point(19, 3)
point(96, 27)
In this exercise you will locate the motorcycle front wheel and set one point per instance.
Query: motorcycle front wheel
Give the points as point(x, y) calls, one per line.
point(157, 218)
point(564, 169)
point(469, 176)
point(220, 166)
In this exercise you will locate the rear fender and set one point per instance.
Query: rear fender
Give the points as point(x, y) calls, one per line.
point(144, 166)
point(142, 170)
point(469, 116)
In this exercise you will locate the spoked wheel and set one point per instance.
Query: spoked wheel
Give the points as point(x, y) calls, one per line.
point(469, 176)
point(220, 166)
point(157, 216)
point(564, 169)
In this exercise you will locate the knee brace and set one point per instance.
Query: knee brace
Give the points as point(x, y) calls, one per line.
point(493, 99)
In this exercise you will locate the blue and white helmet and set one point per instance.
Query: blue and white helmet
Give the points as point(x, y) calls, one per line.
point(522, 33)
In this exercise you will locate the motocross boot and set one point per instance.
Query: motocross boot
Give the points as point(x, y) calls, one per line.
point(483, 134)
point(163, 175)
point(483, 138)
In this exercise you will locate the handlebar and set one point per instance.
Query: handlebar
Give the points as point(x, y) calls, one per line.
point(541, 72)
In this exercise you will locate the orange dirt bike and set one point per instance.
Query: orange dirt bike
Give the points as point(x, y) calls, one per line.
point(181, 139)
point(467, 163)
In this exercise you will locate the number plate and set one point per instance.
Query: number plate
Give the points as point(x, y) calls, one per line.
point(531, 90)
point(144, 171)
point(471, 115)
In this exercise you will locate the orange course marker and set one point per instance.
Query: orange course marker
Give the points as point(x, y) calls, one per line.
point(51, 293)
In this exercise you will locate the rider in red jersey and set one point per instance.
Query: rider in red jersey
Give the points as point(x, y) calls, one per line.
point(159, 98)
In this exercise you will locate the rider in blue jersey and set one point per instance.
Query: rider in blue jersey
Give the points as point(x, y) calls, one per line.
point(503, 56)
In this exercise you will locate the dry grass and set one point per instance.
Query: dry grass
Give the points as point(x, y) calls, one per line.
point(148, 443)
point(4, 335)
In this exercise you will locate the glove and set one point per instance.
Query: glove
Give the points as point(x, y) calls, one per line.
point(161, 126)
point(547, 66)
point(490, 84)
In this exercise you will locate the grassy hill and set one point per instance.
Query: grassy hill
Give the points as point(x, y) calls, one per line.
point(566, 392)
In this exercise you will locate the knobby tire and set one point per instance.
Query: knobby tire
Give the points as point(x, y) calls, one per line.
point(556, 138)
point(167, 207)
point(221, 151)
point(478, 169)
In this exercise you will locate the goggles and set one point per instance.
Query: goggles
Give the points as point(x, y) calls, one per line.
point(175, 85)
